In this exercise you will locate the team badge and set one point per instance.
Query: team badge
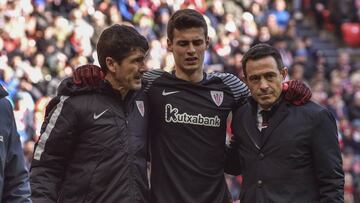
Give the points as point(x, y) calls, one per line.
point(140, 106)
point(217, 97)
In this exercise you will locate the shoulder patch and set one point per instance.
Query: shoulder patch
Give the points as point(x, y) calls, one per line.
point(141, 107)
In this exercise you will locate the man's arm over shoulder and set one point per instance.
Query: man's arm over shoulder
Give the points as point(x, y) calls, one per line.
point(16, 186)
point(327, 158)
point(53, 149)
point(150, 76)
point(232, 158)
point(67, 87)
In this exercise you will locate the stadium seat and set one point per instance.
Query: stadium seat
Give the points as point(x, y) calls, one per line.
point(351, 34)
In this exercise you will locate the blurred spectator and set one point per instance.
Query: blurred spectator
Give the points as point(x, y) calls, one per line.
point(320, 94)
point(128, 9)
point(282, 16)
point(258, 13)
point(215, 13)
point(161, 19)
point(354, 108)
point(263, 36)
point(319, 8)
point(145, 23)
point(348, 188)
point(344, 63)
point(301, 53)
point(281, 45)
point(296, 71)
point(28, 152)
point(23, 115)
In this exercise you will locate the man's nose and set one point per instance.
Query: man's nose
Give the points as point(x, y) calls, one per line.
point(191, 48)
point(263, 83)
point(143, 67)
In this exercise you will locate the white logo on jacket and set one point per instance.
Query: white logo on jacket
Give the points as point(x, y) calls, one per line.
point(141, 107)
point(96, 116)
point(217, 97)
point(164, 93)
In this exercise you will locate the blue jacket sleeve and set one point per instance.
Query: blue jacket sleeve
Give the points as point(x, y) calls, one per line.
point(16, 187)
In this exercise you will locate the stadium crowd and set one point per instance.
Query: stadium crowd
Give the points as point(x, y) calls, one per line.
point(43, 41)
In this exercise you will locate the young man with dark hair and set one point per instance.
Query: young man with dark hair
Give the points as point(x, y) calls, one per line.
point(285, 153)
point(14, 177)
point(92, 146)
point(189, 109)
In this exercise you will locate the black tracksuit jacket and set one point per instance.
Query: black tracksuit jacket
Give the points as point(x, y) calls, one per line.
point(92, 148)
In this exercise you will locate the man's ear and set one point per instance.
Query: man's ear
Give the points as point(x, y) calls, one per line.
point(169, 45)
point(284, 72)
point(110, 63)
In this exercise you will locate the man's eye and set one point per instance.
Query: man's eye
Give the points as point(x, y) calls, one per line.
point(254, 78)
point(270, 77)
point(139, 60)
point(182, 44)
point(198, 42)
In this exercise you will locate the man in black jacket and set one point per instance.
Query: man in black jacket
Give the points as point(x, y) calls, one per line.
point(14, 177)
point(93, 144)
point(285, 153)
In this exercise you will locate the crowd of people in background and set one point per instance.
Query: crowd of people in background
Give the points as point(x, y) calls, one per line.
point(43, 41)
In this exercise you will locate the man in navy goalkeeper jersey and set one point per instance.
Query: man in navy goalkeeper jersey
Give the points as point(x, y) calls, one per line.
point(188, 113)
point(189, 109)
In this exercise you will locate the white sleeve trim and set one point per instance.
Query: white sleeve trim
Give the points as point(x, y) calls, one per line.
point(43, 138)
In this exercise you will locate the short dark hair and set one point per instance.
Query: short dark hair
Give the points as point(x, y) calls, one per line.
point(184, 19)
point(117, 41)
point(259, 51)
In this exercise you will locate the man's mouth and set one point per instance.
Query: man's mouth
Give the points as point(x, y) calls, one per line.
point(191, 59)
point(265, 95)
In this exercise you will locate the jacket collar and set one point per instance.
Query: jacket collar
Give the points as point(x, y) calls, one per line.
point(280, 107)
point(106, 88)
point(3, 92)
point(254, 104)
point(68, 88)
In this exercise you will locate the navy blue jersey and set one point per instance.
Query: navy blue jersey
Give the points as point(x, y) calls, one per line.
point(187, 133)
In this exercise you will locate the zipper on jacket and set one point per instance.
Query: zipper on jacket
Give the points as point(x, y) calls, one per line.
point(128, 107)
point(132, 185)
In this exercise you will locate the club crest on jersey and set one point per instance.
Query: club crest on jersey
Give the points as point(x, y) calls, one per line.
point(140, 106)
point(217, 97)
